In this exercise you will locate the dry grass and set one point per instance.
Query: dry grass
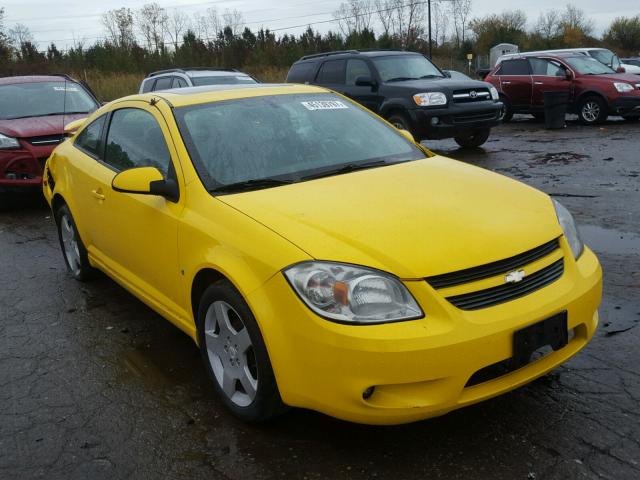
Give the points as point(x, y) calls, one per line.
point(109, 86)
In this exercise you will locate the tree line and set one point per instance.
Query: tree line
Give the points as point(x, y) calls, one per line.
point(152, 37)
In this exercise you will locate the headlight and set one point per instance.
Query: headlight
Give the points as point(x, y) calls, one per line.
point(623, 87)
point(8, 142)
point(430, 99)
point(349, 294)
point(569, 228)
point(494, 93)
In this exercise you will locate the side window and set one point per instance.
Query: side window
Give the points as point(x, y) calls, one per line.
point(540, 66)
point(136, 140)
point(148, 85)
point(163, 83)
point(179, 82)
point(301, 72)
point(90, 139)
point(356, 68)
point(331, 72)
point(515, 67)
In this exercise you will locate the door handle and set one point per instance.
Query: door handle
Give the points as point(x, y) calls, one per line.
point(97, 194)
point(538, 83)
point(506, 83)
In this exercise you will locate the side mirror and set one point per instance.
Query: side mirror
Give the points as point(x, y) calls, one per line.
point(407, 134)
point(365, 81)
point(568, 75)
point(145, 181)
point(447, 73)
point(72, 128)
point(621, 70)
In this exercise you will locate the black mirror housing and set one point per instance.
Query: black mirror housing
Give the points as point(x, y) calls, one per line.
point(365, 81)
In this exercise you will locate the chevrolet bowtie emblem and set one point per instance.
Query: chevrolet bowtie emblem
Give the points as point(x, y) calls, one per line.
point(515, 277)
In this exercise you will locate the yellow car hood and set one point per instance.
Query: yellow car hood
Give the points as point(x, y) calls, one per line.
point(413, 219)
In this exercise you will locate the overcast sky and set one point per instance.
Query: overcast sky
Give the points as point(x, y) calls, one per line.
point(61, 21)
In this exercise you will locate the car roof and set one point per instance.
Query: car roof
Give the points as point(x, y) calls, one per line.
point(182, 97)
point(366, 53)
point(197, 72)
point(35, 79)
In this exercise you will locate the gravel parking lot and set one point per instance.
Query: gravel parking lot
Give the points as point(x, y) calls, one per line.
point(96, 385)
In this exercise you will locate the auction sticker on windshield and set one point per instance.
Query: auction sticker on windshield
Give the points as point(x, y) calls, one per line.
point(324, 105)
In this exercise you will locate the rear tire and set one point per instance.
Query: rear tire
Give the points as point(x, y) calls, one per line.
point(473, 139)
point(506, 114)
point(592, 110)
point(235, 355)
point(73, 250)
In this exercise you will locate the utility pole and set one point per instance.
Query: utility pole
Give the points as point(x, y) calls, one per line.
point(430, 40)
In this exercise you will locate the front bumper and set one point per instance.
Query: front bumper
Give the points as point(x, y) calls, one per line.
point(455, 119)
point(22, 167)
point(626, 105)
point(419, 368)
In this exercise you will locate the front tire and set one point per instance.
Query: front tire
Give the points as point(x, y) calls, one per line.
point(473, 139)
point(73, 250)
point(235, 355)
point(592, 110)
point(506, 114)
point(400, 121)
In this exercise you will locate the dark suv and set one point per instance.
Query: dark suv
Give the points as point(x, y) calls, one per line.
point(408, 90)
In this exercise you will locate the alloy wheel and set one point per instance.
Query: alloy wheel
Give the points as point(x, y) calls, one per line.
point(591, 111)
point(70, 243)
point(231, 354)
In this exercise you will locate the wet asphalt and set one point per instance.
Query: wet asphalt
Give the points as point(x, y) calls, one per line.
point(95, 385)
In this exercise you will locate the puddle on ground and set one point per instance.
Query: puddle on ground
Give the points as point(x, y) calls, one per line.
point(605, 240)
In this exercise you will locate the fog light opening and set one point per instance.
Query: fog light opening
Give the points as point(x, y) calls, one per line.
point(435, 121)
point(368, 392)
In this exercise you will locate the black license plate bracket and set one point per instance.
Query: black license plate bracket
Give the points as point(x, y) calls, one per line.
point(550, 332)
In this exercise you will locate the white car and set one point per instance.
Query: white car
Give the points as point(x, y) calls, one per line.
point(193, 77)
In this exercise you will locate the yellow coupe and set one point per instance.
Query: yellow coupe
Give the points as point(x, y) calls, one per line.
point(318, 256)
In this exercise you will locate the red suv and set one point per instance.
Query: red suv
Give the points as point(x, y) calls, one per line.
point(33, 112)
point(595, 90)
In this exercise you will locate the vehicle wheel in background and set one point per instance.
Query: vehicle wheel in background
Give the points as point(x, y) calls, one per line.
point(73, 250)
point(592, 110)
point(506, 114)
point(235, 355)
point(473, 139)
point(400, 121)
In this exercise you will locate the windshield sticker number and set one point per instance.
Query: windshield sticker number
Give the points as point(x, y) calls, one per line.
point(68, 89)
point(324, 105)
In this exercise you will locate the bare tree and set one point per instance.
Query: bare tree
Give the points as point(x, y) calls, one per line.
point(151, 21)
point(354, 16)
point(573, 18)
point(177, 24)
point(548, 25)
point(234, 20)
point(20, 34)
point(461, 14)
point(384, 9)
point(440, 23)
point(119, 26)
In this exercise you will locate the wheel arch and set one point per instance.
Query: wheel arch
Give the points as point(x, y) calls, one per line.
point(201, 281)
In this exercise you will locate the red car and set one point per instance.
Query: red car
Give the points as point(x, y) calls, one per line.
point(33, 112)
point(595, 90)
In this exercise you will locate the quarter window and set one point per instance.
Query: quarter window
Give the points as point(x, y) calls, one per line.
point(331, 72)
point(515, 67)
point(356, 68)
point(90, 139)
point(179, 82)
point(136, 140)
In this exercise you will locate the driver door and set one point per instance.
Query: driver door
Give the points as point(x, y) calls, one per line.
point(135, 238)
point(548, 76)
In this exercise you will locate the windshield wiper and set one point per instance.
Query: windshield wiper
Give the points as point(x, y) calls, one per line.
point(431, 76)
point(348, 168)
point(252, 184)
point(401, 79)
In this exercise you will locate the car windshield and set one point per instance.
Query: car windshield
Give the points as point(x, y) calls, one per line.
point(588, 66)
point(606, 56)
point(38, 99)
point(265, 141)
point(405, 67)
point(222, 80)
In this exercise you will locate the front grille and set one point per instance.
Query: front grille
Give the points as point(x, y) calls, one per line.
point(471, 95)
point(492, 269)
point(45, 140)
point(510, 291)
point(475, 117)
